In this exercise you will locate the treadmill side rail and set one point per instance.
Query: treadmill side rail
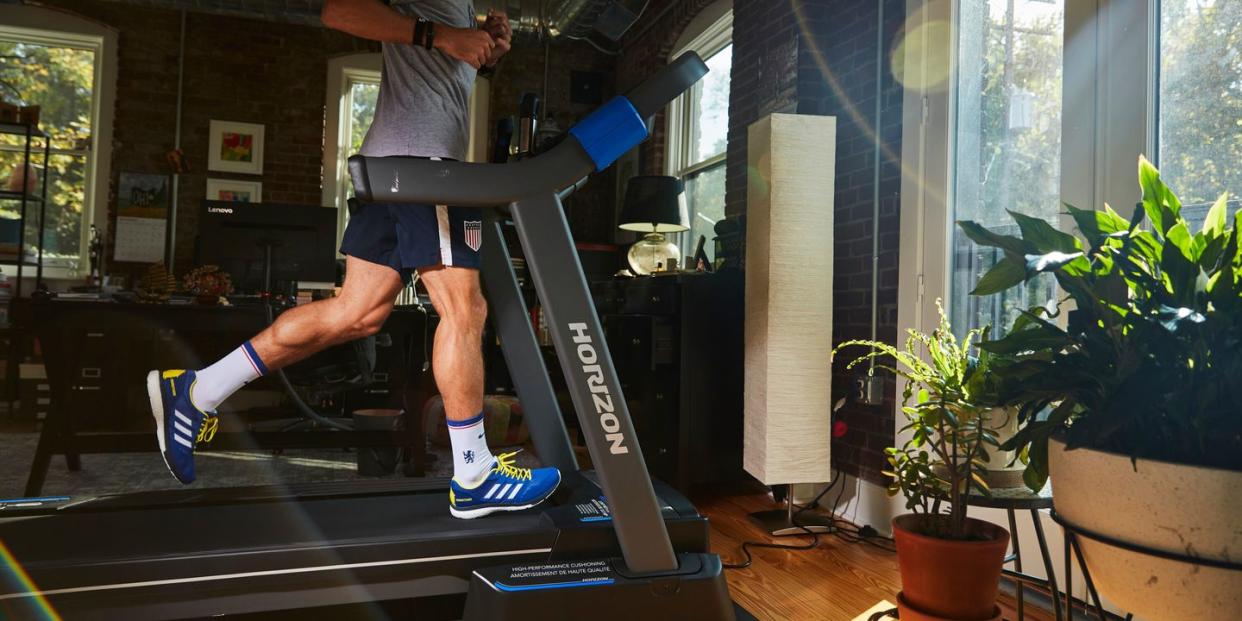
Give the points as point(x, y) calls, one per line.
point(591, 378)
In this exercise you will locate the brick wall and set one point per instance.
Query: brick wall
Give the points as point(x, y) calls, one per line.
point(813, 57)
point(837, 76)
point(235, 69)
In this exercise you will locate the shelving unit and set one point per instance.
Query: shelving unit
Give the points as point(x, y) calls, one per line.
point(28, 198)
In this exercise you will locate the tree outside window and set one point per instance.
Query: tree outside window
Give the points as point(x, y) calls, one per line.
point(61, 80)
point(1200, 101)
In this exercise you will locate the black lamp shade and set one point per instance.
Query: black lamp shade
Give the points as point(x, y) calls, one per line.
point(655, 204)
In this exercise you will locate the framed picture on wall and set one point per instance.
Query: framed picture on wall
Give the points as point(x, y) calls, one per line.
point(235, 147)
point(234, 191)
point(141, 195)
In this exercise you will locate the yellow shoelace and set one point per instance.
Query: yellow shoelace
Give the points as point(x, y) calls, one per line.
point(208, 430)
point(504, 465)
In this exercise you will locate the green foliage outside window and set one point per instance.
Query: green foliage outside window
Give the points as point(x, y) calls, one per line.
point(60, 80)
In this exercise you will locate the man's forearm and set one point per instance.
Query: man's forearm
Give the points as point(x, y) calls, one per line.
point(369, 19)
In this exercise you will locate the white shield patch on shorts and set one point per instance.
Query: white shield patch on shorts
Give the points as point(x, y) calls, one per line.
point(474, 234)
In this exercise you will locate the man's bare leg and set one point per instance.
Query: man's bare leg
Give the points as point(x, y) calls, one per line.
point(365, 302)
point(183, 403)
point(359, 311)
point(457, 354)
point(482, 483)
point(457, 361)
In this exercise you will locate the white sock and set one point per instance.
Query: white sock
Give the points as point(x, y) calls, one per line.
point(472, 460)
point(215, 383)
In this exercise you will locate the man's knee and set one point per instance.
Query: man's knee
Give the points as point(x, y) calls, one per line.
point(468, 311)
point(353, 321)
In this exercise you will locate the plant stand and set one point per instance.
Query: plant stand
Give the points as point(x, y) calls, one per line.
point(1073, 532)
point(1022, 499)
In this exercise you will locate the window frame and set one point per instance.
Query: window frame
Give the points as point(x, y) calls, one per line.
point(709, 33)
point(1105, 98)
point(707, 41)
point(44, 26)
point(343, 73)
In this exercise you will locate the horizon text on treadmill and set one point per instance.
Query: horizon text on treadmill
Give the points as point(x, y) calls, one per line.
point(599, 389)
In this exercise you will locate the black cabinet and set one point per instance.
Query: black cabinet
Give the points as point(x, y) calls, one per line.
point(677, 344)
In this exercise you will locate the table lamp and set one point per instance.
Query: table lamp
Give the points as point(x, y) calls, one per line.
point(655, 205)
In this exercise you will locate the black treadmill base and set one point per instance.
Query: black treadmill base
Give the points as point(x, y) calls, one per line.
point(442, 608)
point(601, 590)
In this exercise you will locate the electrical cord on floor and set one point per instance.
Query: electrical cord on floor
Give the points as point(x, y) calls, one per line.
point(812, 544)
point(842, 529)
point(850, 532)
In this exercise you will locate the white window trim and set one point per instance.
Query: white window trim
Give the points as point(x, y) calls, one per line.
point(343, 71)
point(62, 28)
point(709, 32)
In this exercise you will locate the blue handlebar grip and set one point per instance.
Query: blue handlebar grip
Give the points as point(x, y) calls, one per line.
point(610, 131)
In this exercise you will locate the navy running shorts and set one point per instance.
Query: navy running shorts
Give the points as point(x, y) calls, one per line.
point(408, 237)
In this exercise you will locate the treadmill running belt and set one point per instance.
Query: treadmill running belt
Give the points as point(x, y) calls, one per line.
point(220, 552)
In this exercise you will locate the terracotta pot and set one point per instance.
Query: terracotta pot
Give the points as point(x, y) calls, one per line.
point(949, 580)
point(1187, 510)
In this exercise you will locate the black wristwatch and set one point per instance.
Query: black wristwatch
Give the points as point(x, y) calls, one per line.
point(424, 33)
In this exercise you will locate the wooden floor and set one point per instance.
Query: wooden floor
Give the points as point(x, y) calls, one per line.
point(838, 581)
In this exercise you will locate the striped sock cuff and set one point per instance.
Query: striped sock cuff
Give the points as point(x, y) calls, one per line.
point(469, 422)
point(253, 357)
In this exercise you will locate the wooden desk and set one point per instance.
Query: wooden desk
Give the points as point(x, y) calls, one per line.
point(97, 355)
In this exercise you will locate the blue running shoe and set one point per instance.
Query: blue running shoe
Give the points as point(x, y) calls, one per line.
point(179, 425)
point(506, 488)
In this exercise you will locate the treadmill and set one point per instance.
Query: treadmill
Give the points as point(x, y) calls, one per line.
point(611, 544)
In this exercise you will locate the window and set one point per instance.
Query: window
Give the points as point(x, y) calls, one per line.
point(60, 73)
point(1200, 101)
point(353, 88)
point(362, 90)
point(1006, 136)
point(699, 127)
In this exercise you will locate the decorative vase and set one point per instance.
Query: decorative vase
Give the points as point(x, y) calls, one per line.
point(947, 580)
point(1176, 508)
point(1003, 471)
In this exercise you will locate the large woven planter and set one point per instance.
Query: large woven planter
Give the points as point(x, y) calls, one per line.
point(1187, 511)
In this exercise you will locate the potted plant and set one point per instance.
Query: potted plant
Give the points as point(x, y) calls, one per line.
point(1133, 403)
point(950, 564)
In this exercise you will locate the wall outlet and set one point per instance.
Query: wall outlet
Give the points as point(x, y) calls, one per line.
point(872, 390)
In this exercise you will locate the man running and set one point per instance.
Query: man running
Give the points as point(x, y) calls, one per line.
point(432, 53)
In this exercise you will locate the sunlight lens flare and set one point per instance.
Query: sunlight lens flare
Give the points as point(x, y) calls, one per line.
point(21, 605)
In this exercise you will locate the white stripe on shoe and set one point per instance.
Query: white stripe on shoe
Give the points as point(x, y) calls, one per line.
point(495, 486)
point(514, 493)
point(504, 490)
point(446, 240)
point(183, 442)
point(182, 428)
point(182, 417)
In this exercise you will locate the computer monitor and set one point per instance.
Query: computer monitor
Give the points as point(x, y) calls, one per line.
point(235, 237)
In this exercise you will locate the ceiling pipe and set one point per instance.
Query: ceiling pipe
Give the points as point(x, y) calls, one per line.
point(572, 19)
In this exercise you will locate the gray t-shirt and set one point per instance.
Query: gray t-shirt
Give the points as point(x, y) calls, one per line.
point(424, 99)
